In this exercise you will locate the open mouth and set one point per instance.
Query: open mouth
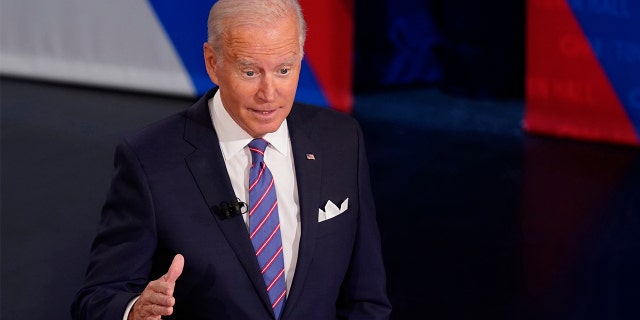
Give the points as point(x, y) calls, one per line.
point(263, 112)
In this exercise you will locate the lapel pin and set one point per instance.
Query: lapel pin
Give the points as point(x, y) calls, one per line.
point(310, 156)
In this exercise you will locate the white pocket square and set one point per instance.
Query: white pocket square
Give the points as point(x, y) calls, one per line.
point(331, 210)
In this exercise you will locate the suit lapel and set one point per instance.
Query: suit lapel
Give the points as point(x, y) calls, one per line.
point(210, 173)
point(309, 177)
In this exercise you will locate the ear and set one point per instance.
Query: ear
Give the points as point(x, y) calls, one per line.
point(210, 62)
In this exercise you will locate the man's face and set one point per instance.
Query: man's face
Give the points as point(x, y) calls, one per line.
point(258, 75)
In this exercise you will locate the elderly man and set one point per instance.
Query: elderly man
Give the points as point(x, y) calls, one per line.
point(246, 205)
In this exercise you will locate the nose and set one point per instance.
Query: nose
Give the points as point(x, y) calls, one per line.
point(267, 90)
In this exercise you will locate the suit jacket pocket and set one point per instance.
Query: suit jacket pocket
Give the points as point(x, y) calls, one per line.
point(344, 223)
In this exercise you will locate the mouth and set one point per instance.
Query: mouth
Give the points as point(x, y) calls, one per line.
point(263, 112)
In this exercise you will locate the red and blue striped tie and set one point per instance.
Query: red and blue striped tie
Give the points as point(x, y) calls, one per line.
point(264, 226)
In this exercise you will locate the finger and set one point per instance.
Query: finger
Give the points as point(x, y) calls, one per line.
point(160, 286)
point(155, 311)
point(160, 299)
point(146, 308)
point(175, 270)
point(164, 311)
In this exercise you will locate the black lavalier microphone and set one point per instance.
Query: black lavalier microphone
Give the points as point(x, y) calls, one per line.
point(230, 209)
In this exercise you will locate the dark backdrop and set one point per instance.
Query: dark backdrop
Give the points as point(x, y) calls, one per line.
point(465, 47)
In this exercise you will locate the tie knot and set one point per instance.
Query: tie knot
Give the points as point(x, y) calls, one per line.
point(257, 147)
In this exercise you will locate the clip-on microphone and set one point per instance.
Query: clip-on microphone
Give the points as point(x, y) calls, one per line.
point(230, 209)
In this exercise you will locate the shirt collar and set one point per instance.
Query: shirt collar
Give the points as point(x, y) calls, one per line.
point(233, 138)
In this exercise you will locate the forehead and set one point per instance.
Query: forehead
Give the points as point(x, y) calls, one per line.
point(250, 42)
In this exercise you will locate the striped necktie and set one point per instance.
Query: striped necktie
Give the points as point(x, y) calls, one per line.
point(264, 226)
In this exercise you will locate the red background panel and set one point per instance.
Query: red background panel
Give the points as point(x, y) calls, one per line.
point(329, 48)
point(567, 91)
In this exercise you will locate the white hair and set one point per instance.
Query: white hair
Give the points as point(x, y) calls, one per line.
point(229, 14)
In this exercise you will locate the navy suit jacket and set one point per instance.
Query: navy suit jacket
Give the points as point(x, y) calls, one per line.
point(168, 178)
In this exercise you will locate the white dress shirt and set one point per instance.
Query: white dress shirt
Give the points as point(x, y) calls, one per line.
point(279, 158)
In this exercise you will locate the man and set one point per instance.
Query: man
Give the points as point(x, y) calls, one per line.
point(198, 198)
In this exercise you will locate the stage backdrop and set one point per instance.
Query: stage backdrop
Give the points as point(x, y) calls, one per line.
point(583, 69)
point(156, 45)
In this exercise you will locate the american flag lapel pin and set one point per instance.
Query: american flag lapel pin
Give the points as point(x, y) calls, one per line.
point(310, 156)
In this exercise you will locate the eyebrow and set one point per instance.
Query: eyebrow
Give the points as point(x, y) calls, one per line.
point(244, 62)
point(291, 60)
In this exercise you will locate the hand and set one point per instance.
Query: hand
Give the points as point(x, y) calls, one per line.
point(157, 298)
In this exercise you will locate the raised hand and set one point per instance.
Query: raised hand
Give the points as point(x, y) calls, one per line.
point(157, 298)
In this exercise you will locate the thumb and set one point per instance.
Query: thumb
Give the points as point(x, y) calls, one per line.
point(175, 270)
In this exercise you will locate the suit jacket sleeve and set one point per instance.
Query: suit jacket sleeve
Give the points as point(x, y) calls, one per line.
point(121, 255)
point(363, 293)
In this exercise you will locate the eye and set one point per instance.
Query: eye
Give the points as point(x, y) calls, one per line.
point(249, 73)
point(284, 71)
